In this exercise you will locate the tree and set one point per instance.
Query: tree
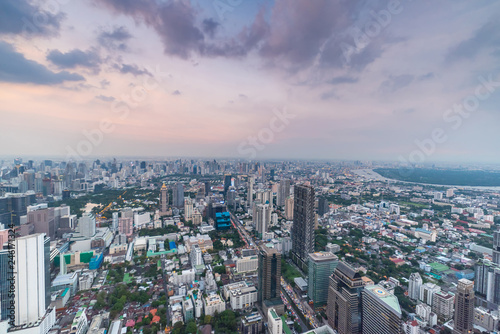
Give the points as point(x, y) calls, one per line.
point(191, 327)
point(207, 320)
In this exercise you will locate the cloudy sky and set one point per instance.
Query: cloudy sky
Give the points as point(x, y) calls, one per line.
point(328, 79)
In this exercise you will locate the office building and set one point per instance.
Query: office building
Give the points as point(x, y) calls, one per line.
point(213, 303)
point(442, 305)
point(32, 262)
point(178, 195)
point(321, 267)
point(289, 208)
point(163, 200)
point(303, 225)
point(274, 322)
point(381, 311)
point(227, 183)
point(196, 256)
point(344, 300)
point(283, 192)
point(6, 274)
point(261, 218)
point(496, 247)
point(252, 324)
point(427, 292)
point(86, 224)
point(323, 206)
point(240, 295)
point(250, 192)
point(487, 320)
point(188, 209)
point(414, 284)
point(464, 307)
point(269, 274)
point(247, 263)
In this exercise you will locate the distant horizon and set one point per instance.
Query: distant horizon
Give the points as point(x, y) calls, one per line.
point(308, 80)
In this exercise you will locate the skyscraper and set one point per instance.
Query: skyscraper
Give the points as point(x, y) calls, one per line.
point(250, 191)
point(86, 224)
point(5, 275)
point(464, 307)
point(321, 267)
point(188, 209)
point(344, 300)
point(496, 247)
point(323, 207)
point(261, 218)
point(381, 311)
point(283, 192)
point(32, 278)
point(163, 199)
point(289, 208)
point(303, 225)
point(227, 183)
point(269, 274)
point(178, 195)
point(414, 285)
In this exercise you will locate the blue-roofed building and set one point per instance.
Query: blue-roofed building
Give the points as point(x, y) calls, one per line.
point(96, 261)
point(172, 245)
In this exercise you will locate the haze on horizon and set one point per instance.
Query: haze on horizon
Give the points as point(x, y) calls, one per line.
point(379, 80)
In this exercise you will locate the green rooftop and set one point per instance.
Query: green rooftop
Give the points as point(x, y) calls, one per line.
point(438, 267)
point(385, 296)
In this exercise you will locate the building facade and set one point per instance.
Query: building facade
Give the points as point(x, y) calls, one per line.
point(303, 225)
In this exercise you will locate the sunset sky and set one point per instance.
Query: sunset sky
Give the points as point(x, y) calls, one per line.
point(358, 79)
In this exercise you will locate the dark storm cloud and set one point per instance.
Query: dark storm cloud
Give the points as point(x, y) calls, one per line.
point(486, 37)
point(292, 35)
point(210, 26)
point(28, 18)
point(14, 67)
point(75, 58)
point(115, 38)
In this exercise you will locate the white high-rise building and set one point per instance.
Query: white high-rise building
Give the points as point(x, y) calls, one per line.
point(414, 285)
point(283, 192)
point(427, 292)
point(196, 256)
point(86, 224)
point(115, 221)
point(275, 324)
point(262, 217)
point(32, 296)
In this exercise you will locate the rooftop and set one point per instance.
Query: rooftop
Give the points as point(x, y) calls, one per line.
point(385, 297)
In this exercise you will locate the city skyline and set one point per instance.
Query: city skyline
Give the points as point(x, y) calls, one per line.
point(324, 80)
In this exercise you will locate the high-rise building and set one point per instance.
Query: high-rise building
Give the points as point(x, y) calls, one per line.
point(321, 267)
point(323, 207)
point(6, 275)
point(283, 192)
point(381, 311)
point(443, 305)
point(269, 274)
point(344, 300)
point(414, 285)
point(196, 256)
point(86, 224)
point(275, 323)
point(227, 183)
point(178, 195)
point(427, 292)
point(261, 218)
point(32, 296)
point(303, 225)
point(250, 192)
point(289, 208)
point(188, 209)
point(496, 247)
point(163, 199)
point(464, 307)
